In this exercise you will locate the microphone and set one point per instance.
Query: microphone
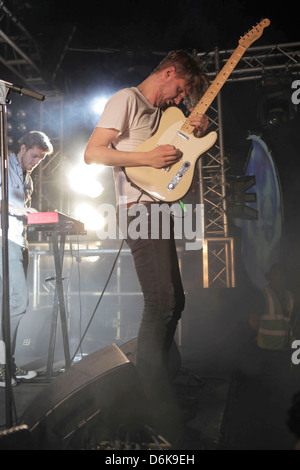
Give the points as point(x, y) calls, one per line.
point(24, 91)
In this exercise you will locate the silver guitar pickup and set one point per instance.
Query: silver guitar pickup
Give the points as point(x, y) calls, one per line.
point(183, 136)
point(174, 182)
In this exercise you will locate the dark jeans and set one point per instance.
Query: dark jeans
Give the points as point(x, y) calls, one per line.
point(156, 264)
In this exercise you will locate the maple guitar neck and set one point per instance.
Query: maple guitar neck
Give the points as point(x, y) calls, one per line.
point(223, 75)
point(215, 87)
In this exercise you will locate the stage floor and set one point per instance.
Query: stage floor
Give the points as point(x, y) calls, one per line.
point(239, 408)
point(204, 431)
point(229, 415)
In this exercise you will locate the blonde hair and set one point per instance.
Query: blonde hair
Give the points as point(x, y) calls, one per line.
point(188, 67)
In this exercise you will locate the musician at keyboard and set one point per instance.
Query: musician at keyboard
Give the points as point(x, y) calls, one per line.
point(33, 148)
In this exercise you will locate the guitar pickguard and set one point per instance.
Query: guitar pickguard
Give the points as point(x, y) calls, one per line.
point(171, 183)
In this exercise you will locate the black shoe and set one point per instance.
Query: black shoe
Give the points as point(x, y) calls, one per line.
point(25, 374)
point(3, 377)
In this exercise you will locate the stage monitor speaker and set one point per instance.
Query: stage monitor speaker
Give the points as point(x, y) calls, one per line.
point(174, 363)
point(88, 403)
point(17, 438)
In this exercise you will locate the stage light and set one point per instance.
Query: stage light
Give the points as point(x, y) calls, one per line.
point(86, 248)
point(17, 125)
point(83, 179)
point(22, 128)
point(90, 217)
point(98, 104)
point(92, 259)
point(237, 196)
point(276, 106)
point(21, 114)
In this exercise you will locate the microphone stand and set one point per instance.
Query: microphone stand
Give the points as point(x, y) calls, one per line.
point(5, 265)
point(5, 88)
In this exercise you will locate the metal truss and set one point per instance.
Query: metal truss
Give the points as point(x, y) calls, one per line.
point(218, 262)
point(21, 56)
point(258, 63)
point(264, 63)
point(19, 52)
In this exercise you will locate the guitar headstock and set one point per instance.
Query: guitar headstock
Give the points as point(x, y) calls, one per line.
point(254, 34)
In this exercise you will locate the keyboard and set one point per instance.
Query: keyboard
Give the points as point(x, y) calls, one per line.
point(50, 221)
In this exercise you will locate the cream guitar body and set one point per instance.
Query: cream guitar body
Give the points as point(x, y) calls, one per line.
point(171, 183)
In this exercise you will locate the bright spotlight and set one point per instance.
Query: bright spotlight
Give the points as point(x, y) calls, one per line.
point(98, 104)
point(92, 259)
point(82, 179)
point(90, 217)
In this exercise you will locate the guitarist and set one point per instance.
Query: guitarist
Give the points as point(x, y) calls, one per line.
point(131, 117)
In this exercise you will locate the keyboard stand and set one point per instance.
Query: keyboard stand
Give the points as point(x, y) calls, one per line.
point(57, 225)
point(58, 304)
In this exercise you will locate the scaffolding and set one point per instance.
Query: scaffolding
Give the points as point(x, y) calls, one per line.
point(21, 57)
point(19, 52)
point(266, 64)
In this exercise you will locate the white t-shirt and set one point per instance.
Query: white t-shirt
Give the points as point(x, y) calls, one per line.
point(129, 112)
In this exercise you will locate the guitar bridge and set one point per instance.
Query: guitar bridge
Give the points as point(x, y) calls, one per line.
point(174, 182)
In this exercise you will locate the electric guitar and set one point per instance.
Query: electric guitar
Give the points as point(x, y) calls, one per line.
point(173, 182)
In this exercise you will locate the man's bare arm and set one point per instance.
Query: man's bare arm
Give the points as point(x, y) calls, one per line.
point(98, 151)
